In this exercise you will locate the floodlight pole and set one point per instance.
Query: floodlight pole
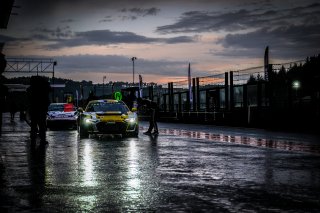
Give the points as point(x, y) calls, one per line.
point(133, 58)
point(53, 65)
point(104, 77)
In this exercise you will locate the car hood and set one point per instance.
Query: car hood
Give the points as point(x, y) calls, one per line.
point(110, 116)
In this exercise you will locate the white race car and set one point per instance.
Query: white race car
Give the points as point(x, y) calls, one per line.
point(62, 115)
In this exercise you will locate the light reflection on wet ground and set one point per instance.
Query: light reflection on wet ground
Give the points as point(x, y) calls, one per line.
point(290, 144)
point(195, 169)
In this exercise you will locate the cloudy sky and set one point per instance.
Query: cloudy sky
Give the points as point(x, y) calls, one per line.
point(93, 38)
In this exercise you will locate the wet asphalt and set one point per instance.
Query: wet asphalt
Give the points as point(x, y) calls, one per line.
point(187, 168)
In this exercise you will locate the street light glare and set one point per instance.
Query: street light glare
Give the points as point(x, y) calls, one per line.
point(296, 84)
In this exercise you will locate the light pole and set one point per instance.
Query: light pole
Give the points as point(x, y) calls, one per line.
point(53, 65)
point(104, 77)
point(133, 58)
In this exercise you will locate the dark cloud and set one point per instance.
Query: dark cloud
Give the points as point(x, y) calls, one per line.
point(4, 39)
point(106, 37)
point(300, 36)
point(289, 31)
point(67, 20)
point(47, 35)
point(31, 9)
point(13, 42)
point(180, 39)
point(242, 19)
point(62, 37)
point(135, 13)
point(106, 19)
point(100, 37)
point(57, 33)
point(142, 11)
point(202, 21)
point(285, 42)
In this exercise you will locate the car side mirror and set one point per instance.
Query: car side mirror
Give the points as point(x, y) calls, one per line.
point(80, 110)
point(134, 109)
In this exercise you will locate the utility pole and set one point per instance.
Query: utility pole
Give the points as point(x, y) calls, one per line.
point(133, 58)
point(53, 65)
point(104, 77)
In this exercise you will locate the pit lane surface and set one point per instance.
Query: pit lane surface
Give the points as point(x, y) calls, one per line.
point(187, 168)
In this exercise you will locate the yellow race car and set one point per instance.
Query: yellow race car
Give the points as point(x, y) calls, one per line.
point(107, 116)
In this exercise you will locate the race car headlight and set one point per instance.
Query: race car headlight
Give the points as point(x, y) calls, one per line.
point(130, 120)
point(89, 120)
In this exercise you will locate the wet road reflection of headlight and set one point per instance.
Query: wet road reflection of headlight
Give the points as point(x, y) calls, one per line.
point(133, 184)
point(89, 175)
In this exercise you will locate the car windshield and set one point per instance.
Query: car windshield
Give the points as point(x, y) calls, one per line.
point(61, 107)
point(105, 107)
point(56, 107)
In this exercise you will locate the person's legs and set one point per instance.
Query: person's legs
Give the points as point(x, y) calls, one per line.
point(155, 125)
point(0, 121)
point(151, 123)
point(42, 128)
point(11, 116)
point(34, 127)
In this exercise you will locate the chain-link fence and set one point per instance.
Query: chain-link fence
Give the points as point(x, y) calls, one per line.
point(287, 66)
point(212, 80)
point(243, 76)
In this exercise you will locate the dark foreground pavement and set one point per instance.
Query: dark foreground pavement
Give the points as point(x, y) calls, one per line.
point(187, 168)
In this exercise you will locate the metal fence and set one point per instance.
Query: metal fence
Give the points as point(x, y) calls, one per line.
point(242, 76)
point(219, 92)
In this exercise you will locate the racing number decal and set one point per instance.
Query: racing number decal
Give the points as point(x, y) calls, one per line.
point(118, 96)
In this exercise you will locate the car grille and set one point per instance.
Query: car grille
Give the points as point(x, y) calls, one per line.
point(112, 128)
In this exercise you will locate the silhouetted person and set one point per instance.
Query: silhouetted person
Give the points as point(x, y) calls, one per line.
point(39, 101)
point(3, 88)
point(91, 97)
point(130, 99)
point(153, 110)
point(13, 108)
point(3, 63)
point(3, 94)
